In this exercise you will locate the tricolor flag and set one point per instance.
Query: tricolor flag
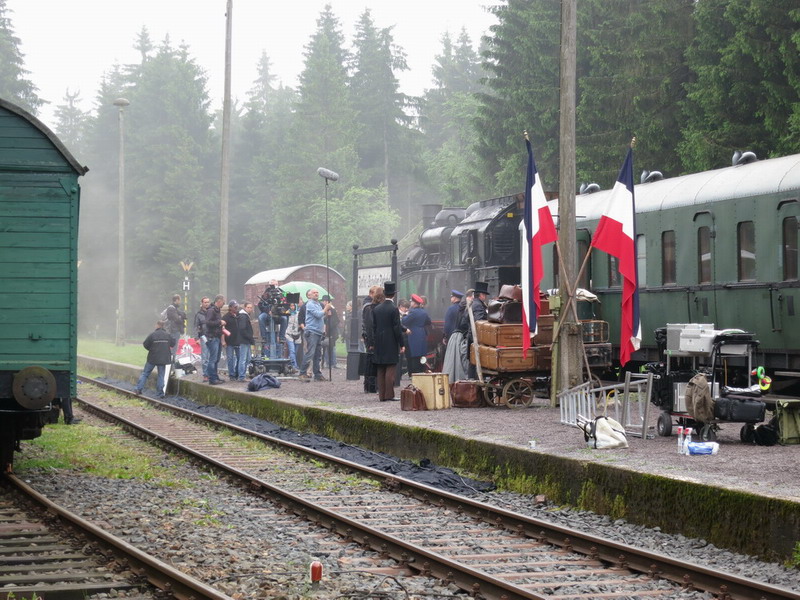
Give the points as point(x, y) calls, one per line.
point(616, 235)
point(538, 230)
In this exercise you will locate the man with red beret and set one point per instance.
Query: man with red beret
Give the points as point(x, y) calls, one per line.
point(418, 323)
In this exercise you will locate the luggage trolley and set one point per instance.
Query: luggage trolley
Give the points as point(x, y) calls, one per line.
point(725, 357)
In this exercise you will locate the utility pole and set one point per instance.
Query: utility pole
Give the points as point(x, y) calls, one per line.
point(569, 365)
point(119, 338)
point(225, 178)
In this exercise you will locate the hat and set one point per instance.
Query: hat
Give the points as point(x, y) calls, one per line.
point(389, 288)
point(233, 303)
point(456, 293)
point(326, 298)
point(417, 299)
point(481, 287)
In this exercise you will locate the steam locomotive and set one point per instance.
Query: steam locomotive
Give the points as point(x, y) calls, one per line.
point(720, 247)
point(39, 202)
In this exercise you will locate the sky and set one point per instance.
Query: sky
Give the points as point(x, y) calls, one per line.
point(72, 43)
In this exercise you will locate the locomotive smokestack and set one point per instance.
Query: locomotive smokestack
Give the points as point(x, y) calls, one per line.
point(429, 212)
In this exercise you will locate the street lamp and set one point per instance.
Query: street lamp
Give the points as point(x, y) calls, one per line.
point(120, 336)
point(328, 176)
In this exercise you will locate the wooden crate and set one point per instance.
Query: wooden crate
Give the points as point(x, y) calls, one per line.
point(505, 359)
point(496, 334)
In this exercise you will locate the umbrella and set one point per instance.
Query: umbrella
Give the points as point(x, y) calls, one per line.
point(301, 287)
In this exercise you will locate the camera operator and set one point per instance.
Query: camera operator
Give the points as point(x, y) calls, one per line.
point(274, 310)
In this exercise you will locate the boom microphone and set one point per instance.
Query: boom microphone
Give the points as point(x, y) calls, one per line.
point(326, 174)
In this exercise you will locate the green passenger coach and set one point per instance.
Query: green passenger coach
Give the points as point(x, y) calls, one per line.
point(39, 206)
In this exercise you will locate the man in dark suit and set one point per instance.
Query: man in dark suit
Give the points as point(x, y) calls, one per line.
point(388, 339)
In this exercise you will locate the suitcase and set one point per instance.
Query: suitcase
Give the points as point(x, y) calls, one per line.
point(435, 387)
point(411, 398)
point(496, 334)
point(467, 394)
point(739, 409)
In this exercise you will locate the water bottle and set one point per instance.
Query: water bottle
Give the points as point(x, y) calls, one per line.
point(680, 440)
point(687, 439)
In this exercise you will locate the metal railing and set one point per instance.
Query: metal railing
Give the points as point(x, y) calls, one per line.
point(627, 402)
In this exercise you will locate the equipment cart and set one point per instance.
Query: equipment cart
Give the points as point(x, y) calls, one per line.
point(705, 378)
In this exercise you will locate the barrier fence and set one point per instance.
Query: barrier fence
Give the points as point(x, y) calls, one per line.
point(628, 403)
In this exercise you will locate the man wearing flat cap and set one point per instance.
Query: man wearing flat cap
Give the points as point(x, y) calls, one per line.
point(388, 340)
point(417, 322)
point(451, 315)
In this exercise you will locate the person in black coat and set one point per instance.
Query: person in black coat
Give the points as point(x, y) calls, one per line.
point(159, 355)
point(388, 340)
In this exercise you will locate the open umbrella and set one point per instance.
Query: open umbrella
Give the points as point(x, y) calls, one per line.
point(301, 287)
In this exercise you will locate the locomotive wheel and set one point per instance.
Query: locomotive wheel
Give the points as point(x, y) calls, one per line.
point(747, 433)
point(34, 387)
point(664, 425)
point(518, 393)
point(708, 433)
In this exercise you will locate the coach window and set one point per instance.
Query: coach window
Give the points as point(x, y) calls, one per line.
point(583, 249)
point(614, 277)
point(790, 249)
point(704, 255)
point(641, 260)
point(668, 272)
point(746, 244)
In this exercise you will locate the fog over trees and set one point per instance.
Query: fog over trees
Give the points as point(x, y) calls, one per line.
point(693, 80)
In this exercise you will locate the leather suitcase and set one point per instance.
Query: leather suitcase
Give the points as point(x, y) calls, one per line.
point(435, 387)
point(467, 394)
point(496, 334)
point(411, 398)
point(544, 324)
point(500, 311)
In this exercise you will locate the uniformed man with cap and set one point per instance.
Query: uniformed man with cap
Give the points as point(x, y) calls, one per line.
point(418, 323)
point(451, 315)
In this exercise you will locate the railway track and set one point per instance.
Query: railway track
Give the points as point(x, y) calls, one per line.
point(484, 550)
point(49, 552)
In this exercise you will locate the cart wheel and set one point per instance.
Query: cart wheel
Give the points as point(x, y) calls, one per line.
point(747, 433)
point(708, 433)
point(518, 393)
point(490, 394)
point(664, 425)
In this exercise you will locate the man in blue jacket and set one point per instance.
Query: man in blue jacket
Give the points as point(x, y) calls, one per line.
point(159, 355)
point(312, 332)
point(417, 322)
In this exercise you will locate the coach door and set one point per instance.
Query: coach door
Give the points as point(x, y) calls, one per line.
point(784, 297)
point(702, 295)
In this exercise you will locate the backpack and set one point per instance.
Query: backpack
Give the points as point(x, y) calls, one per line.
point(164, 316)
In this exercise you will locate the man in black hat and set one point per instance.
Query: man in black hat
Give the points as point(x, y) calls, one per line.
point(479, 308)
point(480, 312)
point(388, 339)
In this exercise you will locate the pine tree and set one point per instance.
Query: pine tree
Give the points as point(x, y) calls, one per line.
point(14, 85)
point(377, 99)
point(447, 115)
point(747, 88)
point(631, 83)
point(521, 59)
point(71, 122)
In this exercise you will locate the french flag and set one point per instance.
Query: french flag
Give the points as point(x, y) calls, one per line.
point(539, 230)
point(616, 235)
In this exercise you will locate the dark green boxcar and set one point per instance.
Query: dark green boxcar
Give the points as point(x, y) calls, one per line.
point(39, 205)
